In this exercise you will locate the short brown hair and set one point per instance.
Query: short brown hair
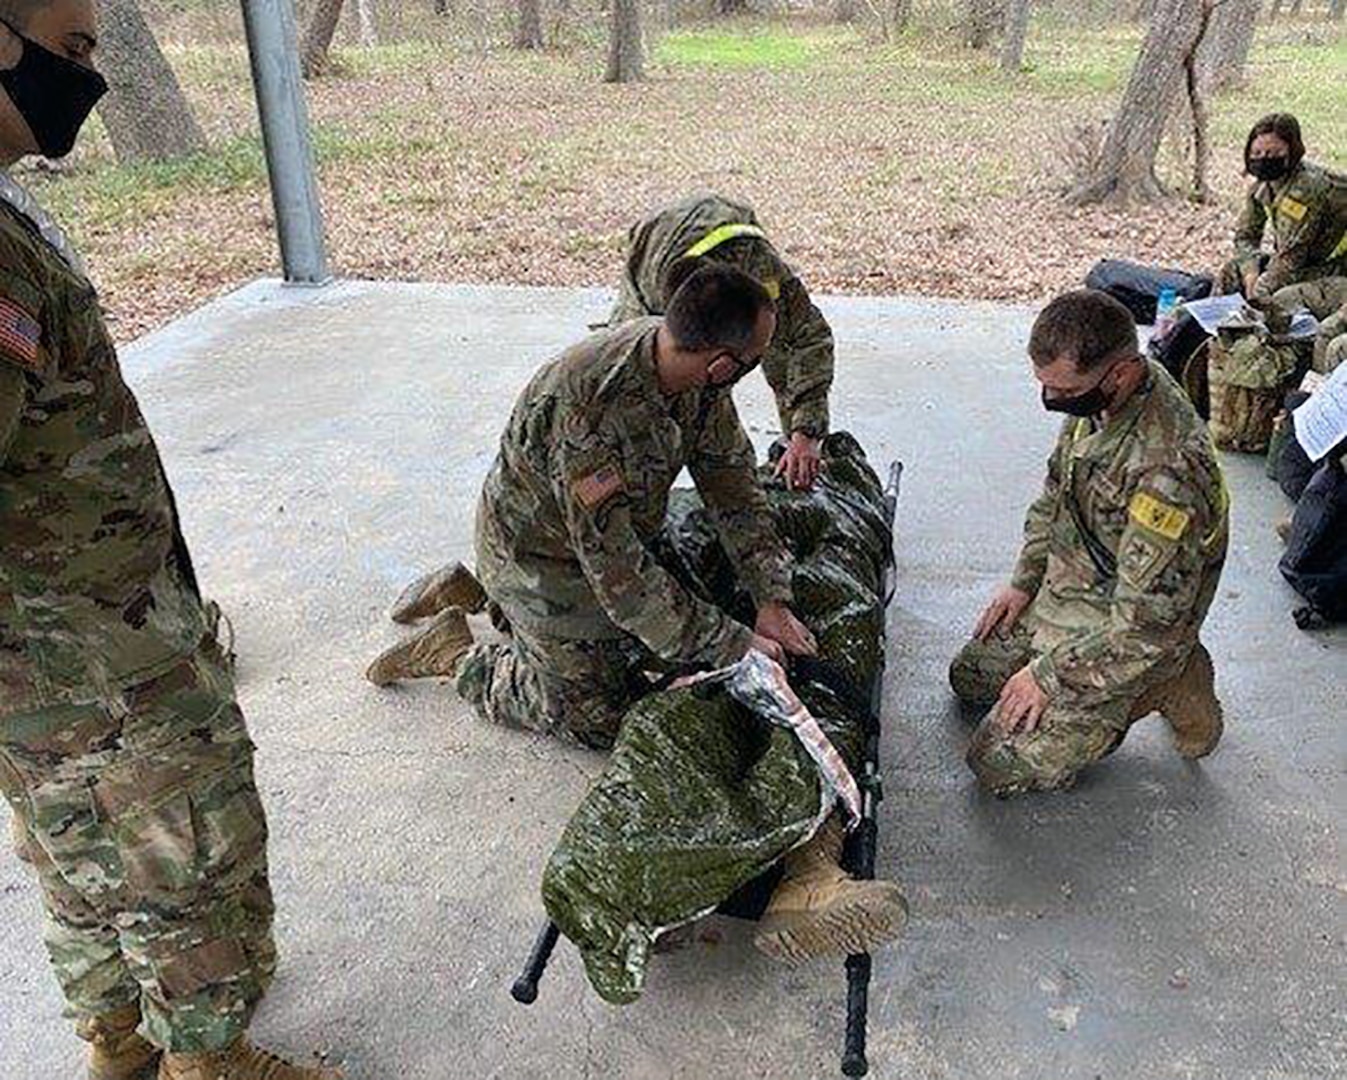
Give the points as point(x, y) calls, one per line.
point(1085, 324)
point(1283, 125)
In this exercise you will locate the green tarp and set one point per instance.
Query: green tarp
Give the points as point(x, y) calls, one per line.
point(701, 795)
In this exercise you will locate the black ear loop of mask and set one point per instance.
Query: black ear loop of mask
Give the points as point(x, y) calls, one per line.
point(52, 93)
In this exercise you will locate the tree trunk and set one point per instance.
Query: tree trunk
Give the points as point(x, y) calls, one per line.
point(845, 11)
point(1017, 29)
point(1127, 162)
point(528, 32)
point(313, 50)
point(980, 19)
point(626, 60)
point(368, 33)
point(731, 7)
point(145, 112)
point(1336, 8)
point(902, 15)
point(1224, 51)
point(1197, 104)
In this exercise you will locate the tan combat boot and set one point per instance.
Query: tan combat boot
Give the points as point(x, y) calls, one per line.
point(241, 1061)
point(450, 586)
point(116, 1051)
point(434, 651)
point(1190, 705)
point(820, 910)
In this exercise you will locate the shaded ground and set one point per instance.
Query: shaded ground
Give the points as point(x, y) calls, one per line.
point(916, 168)
point(1163, 921)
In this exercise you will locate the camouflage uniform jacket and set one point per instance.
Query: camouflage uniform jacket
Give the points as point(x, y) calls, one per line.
point(581, 483)
point(96, 590)
point(1308, 215)
point(1123, 549)
point(799, 363)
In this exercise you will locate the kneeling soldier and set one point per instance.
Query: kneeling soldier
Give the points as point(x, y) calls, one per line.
point(1122, 555)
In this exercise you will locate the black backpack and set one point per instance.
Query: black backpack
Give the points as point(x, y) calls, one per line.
point(1138, 287)
point(1315, 562)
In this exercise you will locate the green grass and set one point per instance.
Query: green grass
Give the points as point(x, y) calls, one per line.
point(749, 48)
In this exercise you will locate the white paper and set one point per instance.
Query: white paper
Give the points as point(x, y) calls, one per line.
point(1321, 423)
point(1232, 310)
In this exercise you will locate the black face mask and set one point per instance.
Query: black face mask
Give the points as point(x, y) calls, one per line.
point(53, 94)
point(1091, 403)
point(1269, 168)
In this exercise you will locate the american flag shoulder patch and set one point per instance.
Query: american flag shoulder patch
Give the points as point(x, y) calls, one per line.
point(20, 334)
point(596, 488)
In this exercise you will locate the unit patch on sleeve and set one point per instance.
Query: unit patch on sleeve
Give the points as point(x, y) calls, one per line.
point(1292, 208)
point(1158, 516)
point(20, 334)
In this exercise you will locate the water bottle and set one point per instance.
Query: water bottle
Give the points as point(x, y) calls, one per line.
point(1166, 308)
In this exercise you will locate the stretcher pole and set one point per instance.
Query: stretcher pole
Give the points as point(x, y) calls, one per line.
point(859, 858)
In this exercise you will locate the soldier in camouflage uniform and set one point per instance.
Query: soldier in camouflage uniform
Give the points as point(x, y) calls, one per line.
point(1303, 205)
point(1330, 345)
point(580, 485)
point(123, 754)
point(1122, 555)
point(798, 366)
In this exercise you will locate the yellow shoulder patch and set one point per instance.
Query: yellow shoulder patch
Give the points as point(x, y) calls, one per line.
point(1158, 516)
point(773, 288)
point(1292, 208)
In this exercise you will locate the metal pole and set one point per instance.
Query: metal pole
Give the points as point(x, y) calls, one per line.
point(274, 54)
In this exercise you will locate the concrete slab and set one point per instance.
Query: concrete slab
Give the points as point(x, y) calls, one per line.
point(1161, 921)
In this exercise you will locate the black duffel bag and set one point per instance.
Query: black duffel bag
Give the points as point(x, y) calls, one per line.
point(1315, 561)
point(1138, 287)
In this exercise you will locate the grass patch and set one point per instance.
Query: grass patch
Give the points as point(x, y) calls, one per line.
point(767, 49)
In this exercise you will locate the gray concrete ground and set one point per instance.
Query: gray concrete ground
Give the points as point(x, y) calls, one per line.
point(1161, 921)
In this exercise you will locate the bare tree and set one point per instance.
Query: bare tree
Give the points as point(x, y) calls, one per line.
point(1224, 52)
point(980, 22)
point(528, 32)
point(845, 11)
point(145, 112)
point(314, 50)
point(1197, 105)
point(368, 33)
point(902, 15)
point(626, 52)
point(1017, 29)
point(1336, 8)
point(1126, 169)
point(731, 7)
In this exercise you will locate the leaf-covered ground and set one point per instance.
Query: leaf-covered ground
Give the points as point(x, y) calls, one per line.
point(916, 167)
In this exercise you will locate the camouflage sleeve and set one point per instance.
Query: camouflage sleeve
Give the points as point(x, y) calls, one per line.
point(723, 466)
point(1249, 231)
point(1297, 249)
point(1163, 557)
point(13, 395)
point(589, 483)
point(808, 342)
point(1033, 560)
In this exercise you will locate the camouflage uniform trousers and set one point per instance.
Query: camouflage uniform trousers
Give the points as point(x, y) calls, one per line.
point(140, 816)
point(1073, 733)
point(576, 690)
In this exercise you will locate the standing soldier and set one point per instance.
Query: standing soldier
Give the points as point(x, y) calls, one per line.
point(1122, 555)
point(123, 755)
point(709, 228)
point(579, 487)
point(1304, 208)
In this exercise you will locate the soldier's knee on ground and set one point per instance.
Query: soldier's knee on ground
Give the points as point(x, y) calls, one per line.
point(1047, 759)
point(981, 669)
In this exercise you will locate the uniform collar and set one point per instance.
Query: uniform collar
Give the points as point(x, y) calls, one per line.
point(25, 204)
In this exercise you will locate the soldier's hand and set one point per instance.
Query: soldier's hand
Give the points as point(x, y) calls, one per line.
point(1002, 613)
point(778, 622)
point(768, 647)
point(1250, 280)
point(1022, 703)
point(800, 463)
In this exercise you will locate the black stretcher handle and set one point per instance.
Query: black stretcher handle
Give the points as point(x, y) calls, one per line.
point(861, 844)
point(525, 988)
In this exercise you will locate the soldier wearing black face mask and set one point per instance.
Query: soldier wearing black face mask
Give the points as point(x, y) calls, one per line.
point(1300, 207)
